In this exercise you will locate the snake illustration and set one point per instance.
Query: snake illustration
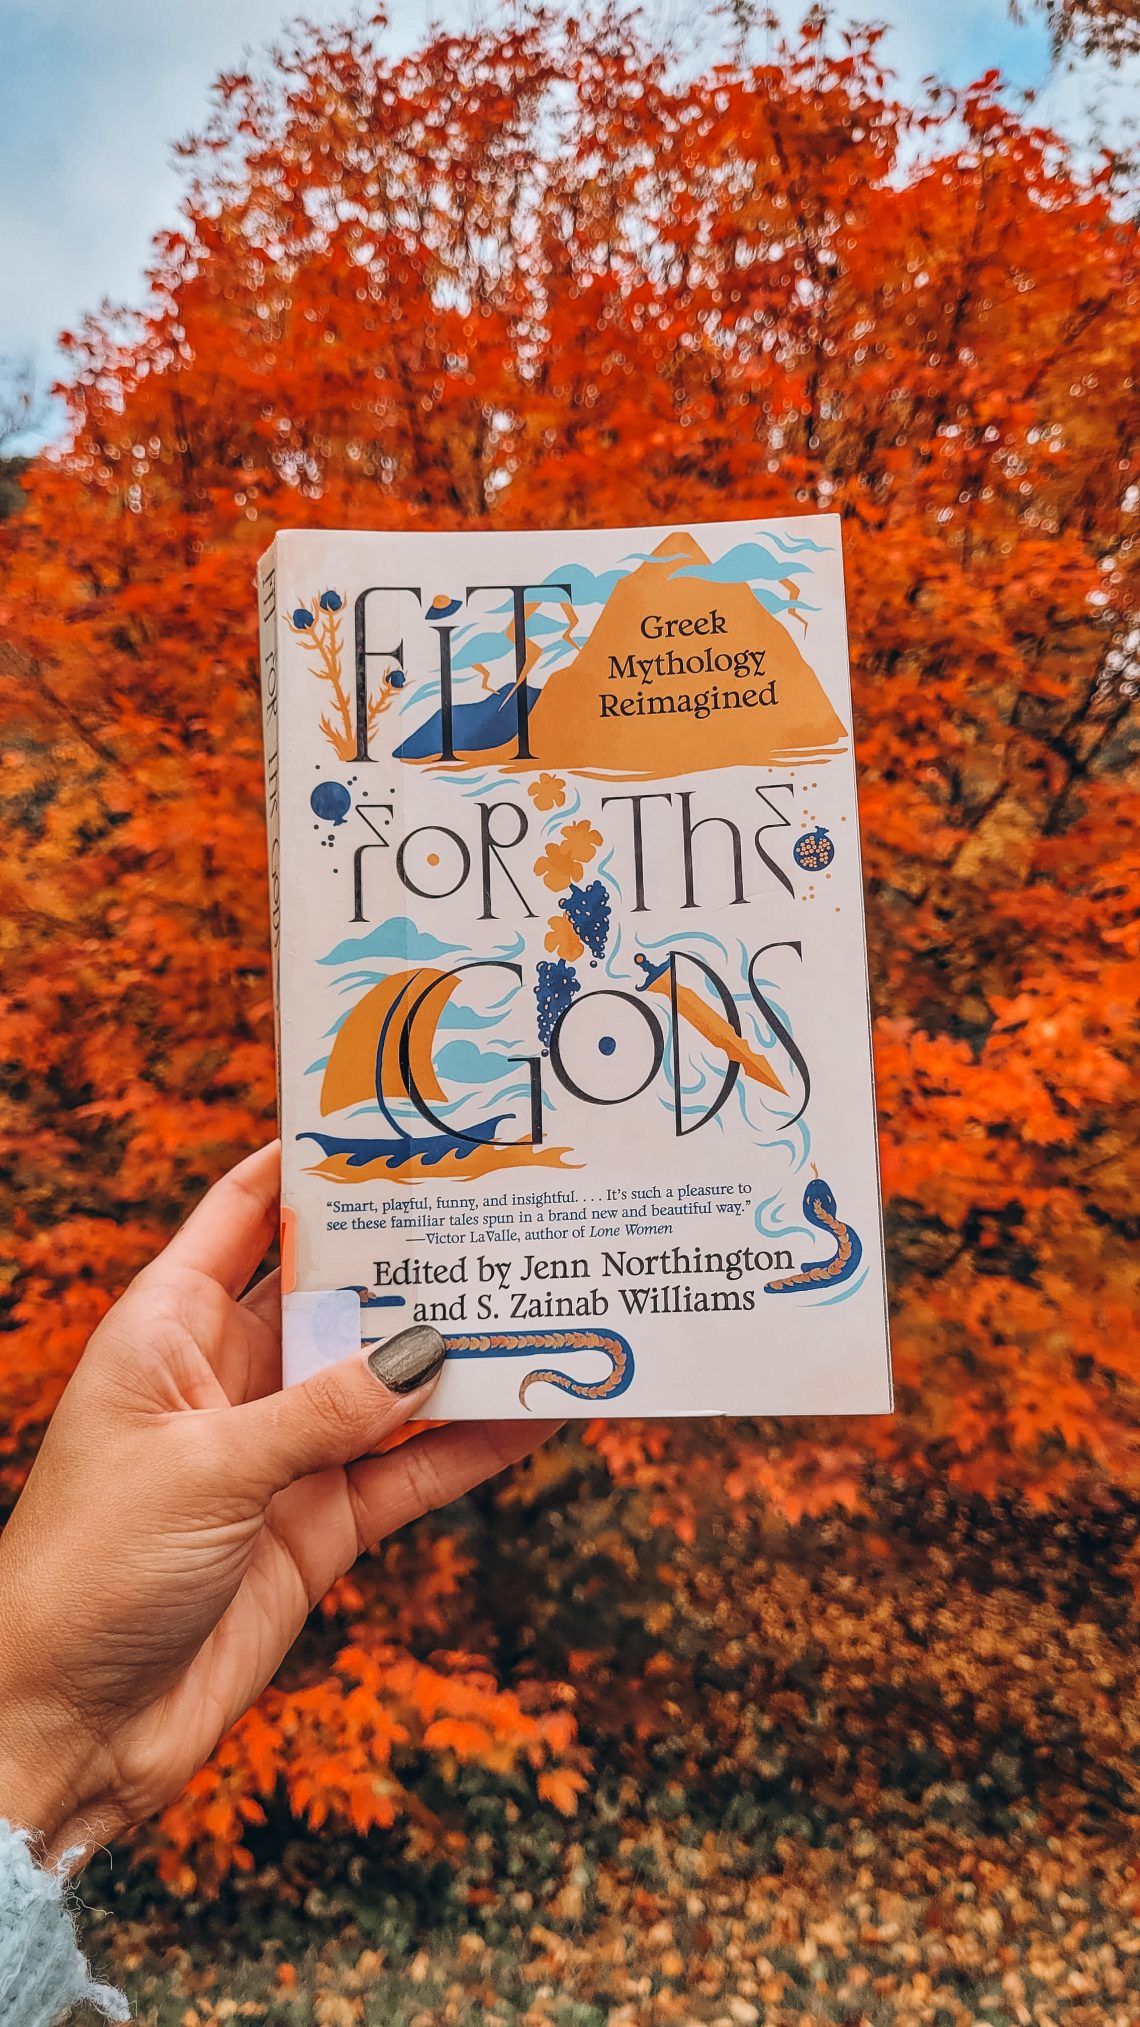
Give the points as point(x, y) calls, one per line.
point(819, 1209)
point(523, 1344)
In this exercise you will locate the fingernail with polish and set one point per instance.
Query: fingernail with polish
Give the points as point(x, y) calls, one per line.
point(409, 1360)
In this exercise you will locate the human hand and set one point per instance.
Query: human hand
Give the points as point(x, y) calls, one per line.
point(183, 1516)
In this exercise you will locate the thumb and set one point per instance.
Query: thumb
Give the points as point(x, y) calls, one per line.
point(341, 1413)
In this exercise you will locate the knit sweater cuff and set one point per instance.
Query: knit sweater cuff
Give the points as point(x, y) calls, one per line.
point(43, 1972)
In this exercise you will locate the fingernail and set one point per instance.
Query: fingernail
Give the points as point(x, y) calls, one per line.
point(409, 1360)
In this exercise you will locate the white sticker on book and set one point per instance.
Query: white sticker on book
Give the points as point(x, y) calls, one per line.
point(319, 1327)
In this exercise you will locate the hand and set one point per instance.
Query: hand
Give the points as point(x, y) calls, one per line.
point(183, 1516)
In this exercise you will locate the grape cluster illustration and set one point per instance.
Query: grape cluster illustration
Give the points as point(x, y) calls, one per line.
point(554, 991)
point(588, 911)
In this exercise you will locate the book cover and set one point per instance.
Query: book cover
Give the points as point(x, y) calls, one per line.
point(570, 968)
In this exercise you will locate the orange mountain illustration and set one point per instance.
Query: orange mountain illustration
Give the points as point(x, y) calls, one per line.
point(681, 674)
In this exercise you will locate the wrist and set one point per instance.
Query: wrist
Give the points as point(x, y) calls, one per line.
point(45, 1775)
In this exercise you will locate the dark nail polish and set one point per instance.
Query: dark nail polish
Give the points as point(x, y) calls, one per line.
point(409, 1360)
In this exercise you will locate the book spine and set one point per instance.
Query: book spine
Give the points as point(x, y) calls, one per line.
point(271, 735)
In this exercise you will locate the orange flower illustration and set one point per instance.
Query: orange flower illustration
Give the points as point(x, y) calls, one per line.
point(562, 938)
point(548, 792)
point(565, 860)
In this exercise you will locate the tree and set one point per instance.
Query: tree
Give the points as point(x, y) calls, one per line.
point(1110, 26)
point(19, 412)
point(528, 276)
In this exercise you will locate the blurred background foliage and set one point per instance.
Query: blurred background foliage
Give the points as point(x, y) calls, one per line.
point(725, 1722)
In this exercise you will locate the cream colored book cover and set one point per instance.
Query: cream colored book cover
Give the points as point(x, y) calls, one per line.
point(570, 967)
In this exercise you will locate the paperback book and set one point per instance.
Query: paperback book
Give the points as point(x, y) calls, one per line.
point(570, 972)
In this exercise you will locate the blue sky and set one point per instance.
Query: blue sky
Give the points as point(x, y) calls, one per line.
point(93, 92)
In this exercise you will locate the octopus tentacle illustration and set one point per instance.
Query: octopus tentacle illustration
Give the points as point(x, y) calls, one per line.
point(820, 1211)
point(524, 1344)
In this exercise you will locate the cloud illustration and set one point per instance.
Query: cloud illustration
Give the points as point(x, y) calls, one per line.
point(482, 647)
point(466, 1064)
point(741, 565)
point(585, 587)
point(395, 938)
point(792, 544)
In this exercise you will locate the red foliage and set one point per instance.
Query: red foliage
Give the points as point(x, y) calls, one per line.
point(525, 276)
point(331, 1746)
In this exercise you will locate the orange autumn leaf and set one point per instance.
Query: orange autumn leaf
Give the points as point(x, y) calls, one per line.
point(467, 1740)
point(561, 1787)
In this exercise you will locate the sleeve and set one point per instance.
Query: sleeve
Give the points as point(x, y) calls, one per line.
point(43, 1972)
